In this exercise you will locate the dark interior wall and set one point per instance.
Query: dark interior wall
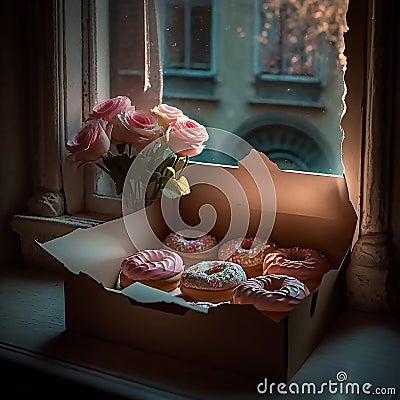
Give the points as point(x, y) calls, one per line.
point(15, 128)
point(395, 195)
point(393, 282)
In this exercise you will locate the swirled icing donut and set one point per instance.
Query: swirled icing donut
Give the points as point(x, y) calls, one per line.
point(157, 268)
point(276, 294)
point(307, 265)
point(248, 252)
point(212, 281)
point(188, 244)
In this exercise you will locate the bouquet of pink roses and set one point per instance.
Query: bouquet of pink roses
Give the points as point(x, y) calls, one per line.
point(116, 133)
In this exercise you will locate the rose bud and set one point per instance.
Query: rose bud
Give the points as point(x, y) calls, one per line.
point(166, 114)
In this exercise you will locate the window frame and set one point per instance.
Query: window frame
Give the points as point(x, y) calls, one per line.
point(192, 72)
point(87, 67)
point(202, 81)
point(314, 79)
point(286, 89)
point(79, 193)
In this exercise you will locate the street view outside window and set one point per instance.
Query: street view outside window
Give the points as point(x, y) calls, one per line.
point(270, 71)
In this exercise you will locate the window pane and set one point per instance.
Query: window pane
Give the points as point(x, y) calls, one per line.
point(200, 37)
point(126, 60)
point(270, 40)
point(175, 37)
point(291, 33)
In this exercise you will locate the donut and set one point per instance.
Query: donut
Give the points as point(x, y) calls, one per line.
point(248, 252)
point(276, 295)
point(211, 281)
point(189, 242)
point(307, 265)
point(160, 269)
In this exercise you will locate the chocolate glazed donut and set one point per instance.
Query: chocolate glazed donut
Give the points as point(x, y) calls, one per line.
point(307, 265)
point(276, 295)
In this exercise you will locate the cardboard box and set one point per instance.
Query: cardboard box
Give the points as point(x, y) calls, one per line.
point(311, 211)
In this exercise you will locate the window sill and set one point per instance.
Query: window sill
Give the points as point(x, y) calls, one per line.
point(31, 228)
point(191, 96)
point(286, 102)
point(193, 87)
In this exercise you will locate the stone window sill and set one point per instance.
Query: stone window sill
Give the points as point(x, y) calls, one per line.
point(31, 228)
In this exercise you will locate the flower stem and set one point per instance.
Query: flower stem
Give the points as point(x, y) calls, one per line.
point(102, 167)
point(156, 189)
point(185, 163)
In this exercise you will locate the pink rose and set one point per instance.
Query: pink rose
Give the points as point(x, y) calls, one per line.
point(108, 109)
point(166, 114)
point(186, 137)
point(135, 127)
point(91, 143)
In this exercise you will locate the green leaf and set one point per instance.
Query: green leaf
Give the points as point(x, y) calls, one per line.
point(170, 172)
point(176, 188)
point(163, 180)
point(168, 162)
point(155, 176)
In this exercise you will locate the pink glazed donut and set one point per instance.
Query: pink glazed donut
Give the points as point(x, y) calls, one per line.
point(161, 269)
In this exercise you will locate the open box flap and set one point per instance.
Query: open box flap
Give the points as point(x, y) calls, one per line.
point(97, 251)
point(300, 193)
point(259, 185)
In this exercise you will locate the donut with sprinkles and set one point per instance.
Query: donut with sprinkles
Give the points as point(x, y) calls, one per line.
point(179, 242)
point(211, 281)
point(248, 252)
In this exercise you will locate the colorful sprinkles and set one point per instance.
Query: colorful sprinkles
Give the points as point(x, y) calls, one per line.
point(246, 252)
point(213, 275)
point(178, 242)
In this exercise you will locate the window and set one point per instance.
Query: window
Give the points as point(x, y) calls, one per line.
point(286, 47)
point(208, 72)
point(229, 48)
point(298, 44)
point(188, 45)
